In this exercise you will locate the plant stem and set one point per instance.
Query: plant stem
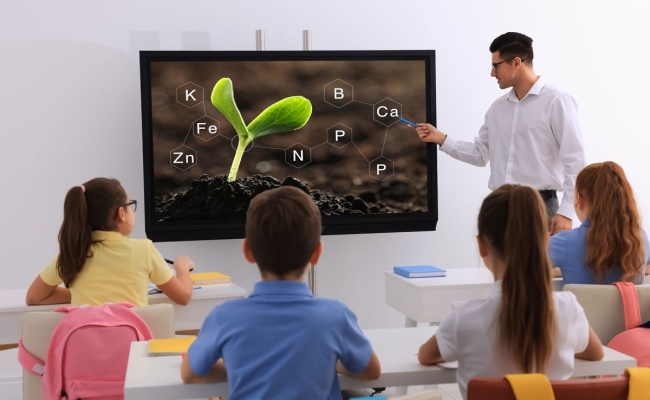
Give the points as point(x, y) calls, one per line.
point(235, 163)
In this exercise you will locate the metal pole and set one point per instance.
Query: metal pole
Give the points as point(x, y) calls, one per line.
point(311, 280)
point(306, 40)
point(311, 275)
point(259, 40)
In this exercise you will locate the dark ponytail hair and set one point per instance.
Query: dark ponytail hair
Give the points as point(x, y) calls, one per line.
point(86, 209)
point(513, 222)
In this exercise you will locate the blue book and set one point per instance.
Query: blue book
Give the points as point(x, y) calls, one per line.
point(419, 271)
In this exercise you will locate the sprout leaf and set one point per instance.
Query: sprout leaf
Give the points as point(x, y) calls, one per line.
point(284, 116)
point(224, 99)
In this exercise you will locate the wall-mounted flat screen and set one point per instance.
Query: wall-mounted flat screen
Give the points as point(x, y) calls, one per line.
point(221, 127)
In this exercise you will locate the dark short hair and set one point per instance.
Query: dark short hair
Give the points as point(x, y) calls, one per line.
point(283, 228)
point(513, 44)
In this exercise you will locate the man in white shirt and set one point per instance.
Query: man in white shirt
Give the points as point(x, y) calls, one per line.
point(531, 135)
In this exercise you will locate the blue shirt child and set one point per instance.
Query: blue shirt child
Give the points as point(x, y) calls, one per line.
point(568, 249)
point(281, 343)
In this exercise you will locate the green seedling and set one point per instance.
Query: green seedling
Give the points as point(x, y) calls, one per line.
point(286, 115)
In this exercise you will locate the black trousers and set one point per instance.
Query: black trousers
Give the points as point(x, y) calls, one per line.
point(551, 203)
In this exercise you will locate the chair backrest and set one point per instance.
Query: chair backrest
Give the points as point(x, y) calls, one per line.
point(37, 328)
point(577, 389)
point(604, 308)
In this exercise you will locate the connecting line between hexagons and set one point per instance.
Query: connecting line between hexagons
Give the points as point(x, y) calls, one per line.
point(188, 134)
point(362, 155)
point(384, 145)
point(370, 104)
point(270, 148)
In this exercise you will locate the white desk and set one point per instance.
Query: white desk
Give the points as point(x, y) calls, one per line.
point(191, 316)
point(429, 299)
point(159, 377)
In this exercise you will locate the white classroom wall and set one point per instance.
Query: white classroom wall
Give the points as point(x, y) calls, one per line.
point(70, 109)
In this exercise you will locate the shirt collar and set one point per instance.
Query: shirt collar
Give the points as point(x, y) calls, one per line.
point(494, 289)
point(108, 236)
point(536, 89)
point(291, 288)
point(586, 223)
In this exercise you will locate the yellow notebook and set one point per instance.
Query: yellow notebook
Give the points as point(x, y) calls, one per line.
point(208, 278)
point(170, 347)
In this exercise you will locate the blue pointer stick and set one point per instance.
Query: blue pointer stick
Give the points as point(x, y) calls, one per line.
point(408, 122)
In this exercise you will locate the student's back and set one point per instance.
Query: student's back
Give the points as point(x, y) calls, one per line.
point(98, 262)
point(521, 326)
point(482, 355)
point(610, 245)
point(280, 342)
point(120, 269)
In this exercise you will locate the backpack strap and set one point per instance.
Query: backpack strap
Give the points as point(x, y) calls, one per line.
point(32, 364)
point(530, 386)
point(631, 308)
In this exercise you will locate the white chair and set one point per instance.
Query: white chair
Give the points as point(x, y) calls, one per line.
point(604, 308)
point(37, 327)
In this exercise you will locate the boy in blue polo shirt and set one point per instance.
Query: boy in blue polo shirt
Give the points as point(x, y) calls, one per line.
point(281, 342)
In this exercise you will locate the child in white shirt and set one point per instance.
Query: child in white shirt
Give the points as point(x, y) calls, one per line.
point(521, 326)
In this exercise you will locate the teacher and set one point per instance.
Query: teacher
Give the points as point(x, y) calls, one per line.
point(531, 135)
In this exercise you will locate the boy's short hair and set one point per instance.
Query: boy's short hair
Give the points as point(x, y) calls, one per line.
point(283, 228)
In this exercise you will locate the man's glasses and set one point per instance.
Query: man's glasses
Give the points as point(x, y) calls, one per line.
point(496, 65)
point(133, 204)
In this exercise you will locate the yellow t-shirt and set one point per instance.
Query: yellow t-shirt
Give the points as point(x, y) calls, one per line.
point(119, 270)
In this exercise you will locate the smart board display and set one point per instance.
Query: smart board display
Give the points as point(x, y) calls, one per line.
point(221, 127)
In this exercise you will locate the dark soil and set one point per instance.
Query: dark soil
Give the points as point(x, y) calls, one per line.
point(214, 198)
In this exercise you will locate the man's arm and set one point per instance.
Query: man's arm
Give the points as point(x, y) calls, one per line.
point(566, 129)
point(216, 374)
point(476, 153)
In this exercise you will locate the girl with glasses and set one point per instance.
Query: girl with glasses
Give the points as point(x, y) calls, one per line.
point(98, 262)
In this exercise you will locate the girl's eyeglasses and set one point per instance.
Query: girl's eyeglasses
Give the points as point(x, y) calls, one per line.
point(133, 204)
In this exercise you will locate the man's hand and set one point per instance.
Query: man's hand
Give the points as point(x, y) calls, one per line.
point(429, 133)
point(560, 223)
point(556, 273)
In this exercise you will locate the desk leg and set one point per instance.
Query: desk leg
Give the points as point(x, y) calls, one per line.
point(410, 323)
point(401, 390)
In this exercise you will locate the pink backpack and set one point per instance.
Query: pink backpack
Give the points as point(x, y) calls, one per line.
point(635, 340)
point(88, 352)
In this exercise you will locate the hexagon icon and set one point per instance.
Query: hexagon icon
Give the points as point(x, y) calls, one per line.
point(387, 111)
point(339, 135)
point(205, 128)
point(189, 94)
point(381, 168)
point(338, 93)
point(298, 155)
point(182, 158)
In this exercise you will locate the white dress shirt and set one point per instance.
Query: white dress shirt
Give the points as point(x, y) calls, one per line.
point(534, 142)
point(470, 334)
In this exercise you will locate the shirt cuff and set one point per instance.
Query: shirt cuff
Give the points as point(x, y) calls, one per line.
point(448, 145)
point(566, 209)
